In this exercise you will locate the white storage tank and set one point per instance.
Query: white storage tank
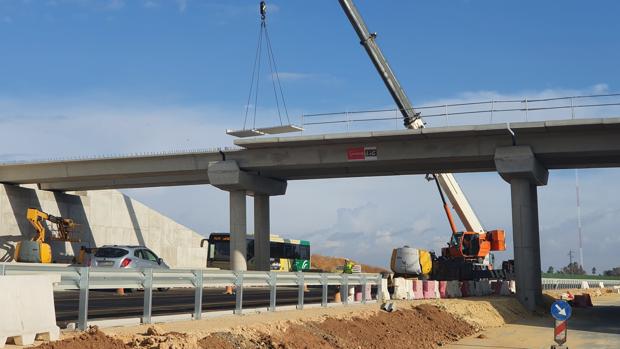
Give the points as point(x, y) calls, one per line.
point(406, 260)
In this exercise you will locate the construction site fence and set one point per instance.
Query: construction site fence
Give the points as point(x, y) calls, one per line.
point(92, 278)
point(566, 284)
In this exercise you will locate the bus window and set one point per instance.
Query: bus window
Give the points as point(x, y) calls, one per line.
point(221, 250)
point(303, 252)
point(276, 250)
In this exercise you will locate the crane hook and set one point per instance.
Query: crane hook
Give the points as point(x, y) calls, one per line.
point(263, 10)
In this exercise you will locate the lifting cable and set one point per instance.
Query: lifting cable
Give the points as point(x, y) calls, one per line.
point(255, 79)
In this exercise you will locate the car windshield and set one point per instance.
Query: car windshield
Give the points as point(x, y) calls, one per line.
point(110, 252)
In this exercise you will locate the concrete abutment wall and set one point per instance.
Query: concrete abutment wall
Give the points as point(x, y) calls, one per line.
point(105, 217)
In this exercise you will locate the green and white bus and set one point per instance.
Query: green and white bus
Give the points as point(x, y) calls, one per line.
point(285, 254)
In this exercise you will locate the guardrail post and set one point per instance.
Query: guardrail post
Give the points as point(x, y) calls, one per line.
point(344, 284)
point(238, 293)
point(83, 302)
point(198, 284)
point(273, 285)
point(300, 290)
point(324, 285)
point(379, 288)
point(364, 285)
point(148, 295)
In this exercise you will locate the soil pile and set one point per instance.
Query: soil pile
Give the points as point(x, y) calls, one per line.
point(329, 264)
point(91, 339)
point(424, 326)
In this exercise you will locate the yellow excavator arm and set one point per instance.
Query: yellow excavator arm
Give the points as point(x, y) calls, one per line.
point(36, 217)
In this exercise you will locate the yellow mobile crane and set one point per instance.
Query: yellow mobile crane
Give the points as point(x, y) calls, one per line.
point(36, 250)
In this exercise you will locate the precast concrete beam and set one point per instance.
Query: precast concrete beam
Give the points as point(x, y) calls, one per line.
point(518, 166)
point(227, 175)
point(261, 232)
point(519, 162)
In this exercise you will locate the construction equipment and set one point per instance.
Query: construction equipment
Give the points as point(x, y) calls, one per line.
point(37, 250)
point(471, 248)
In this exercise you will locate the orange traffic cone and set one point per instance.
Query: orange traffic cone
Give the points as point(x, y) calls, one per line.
point(229, 290)
point(120, 291)
point(337, 298)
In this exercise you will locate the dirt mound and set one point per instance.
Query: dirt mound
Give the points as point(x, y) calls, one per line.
point(329, 264)
point(482, 314)
point(424, 326)
point(91, 339)
point(156, 338)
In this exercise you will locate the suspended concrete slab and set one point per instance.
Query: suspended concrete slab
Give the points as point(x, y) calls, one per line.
point(244, 133)
point(264, 131)
point(280, 129)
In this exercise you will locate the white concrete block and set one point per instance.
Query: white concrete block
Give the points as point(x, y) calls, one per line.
point(27, 309)
point(436, 290)
point(409, 287)
point(385, 293)
point(585, 285)
point(400, 288)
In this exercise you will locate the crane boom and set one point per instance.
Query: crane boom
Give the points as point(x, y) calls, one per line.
point(411, 118)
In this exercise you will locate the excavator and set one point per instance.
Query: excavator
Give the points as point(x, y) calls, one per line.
point(467, 255)
point(37, 250)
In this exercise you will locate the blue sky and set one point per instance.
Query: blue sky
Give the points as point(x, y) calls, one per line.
point(145, 75)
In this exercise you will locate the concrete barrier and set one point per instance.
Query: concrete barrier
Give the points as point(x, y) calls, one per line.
point(418, 289)
point(443, 289)
point(465, 289)
point(428, 287)
point(512, 286)
point(453, 289)
point(27, 309)
point(585, 285)
point(385, 293)
point(601, 284)
point(400, 288)
point(409, 286)
point(436, 289)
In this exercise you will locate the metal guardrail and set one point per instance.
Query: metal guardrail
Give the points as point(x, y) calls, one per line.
point(563, 284)
point(491, 111)
point(91, 278)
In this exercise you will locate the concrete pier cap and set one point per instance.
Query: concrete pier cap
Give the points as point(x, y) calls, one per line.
point(227, 175)
point(518, 166)
point(519, 162)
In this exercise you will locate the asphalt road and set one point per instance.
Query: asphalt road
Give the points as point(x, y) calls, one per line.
point(107, 304)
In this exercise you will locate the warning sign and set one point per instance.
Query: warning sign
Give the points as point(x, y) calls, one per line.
point(362, 153)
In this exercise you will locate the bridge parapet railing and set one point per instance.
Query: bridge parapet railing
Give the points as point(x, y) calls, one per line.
point(92, 278)
point(491, 111)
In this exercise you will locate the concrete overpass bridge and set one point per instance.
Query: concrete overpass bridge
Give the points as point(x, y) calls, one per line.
point(522, 153)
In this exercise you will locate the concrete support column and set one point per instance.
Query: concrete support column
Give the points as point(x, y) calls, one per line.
point(518, 166)
point(238, 231)
point(261, 232)
point(526, 242)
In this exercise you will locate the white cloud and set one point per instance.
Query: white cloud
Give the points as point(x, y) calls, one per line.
point(182, 4)
point(291, 76)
